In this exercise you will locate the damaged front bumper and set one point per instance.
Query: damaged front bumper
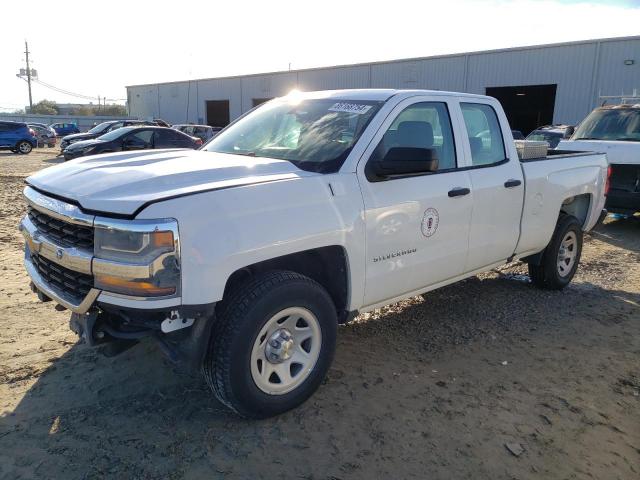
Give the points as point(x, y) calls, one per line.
point(60, 261)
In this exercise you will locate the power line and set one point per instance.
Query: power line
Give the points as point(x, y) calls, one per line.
point(66, 92)
point(75, 94)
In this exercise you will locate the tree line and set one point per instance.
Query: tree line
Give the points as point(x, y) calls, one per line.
point(49, 107)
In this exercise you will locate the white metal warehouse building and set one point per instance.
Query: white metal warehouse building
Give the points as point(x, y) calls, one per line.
point(559, 83)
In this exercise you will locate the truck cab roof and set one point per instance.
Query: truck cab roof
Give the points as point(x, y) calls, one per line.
point(376, 94)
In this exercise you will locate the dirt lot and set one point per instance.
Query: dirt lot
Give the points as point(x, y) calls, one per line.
point(435, 388)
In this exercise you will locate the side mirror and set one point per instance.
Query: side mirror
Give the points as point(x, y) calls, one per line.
point(569, 131)
point(403, 161)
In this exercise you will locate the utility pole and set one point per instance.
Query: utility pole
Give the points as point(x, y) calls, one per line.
point(26, 46)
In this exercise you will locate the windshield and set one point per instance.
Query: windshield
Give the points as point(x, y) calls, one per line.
point(313, 134)
point(113, 134)
point(100, 128)
point(610, 124)
point(552, 138)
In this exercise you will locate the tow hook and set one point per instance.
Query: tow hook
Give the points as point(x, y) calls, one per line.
point(175, 322)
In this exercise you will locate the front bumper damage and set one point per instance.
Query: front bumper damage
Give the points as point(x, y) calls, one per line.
point(63, 273)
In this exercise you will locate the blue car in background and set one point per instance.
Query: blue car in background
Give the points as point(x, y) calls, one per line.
point(63, 129)
point(17, 137)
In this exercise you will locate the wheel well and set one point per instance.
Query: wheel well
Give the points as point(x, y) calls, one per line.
point(578, 206)
point(326, 265)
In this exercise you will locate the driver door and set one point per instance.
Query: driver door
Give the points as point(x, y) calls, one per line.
point(417, 227)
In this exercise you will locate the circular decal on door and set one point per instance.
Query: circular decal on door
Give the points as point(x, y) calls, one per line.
point(430, 222)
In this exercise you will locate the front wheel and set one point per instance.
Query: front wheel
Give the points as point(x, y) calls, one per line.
point(24, 147)
point(273, 343)
point(561, 257)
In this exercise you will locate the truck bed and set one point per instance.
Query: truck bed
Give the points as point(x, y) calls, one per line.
point(560, 154)
point(549, 183)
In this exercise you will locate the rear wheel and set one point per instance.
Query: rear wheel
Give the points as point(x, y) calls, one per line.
point(561, 257)
point(24, 147)
point(273, 343)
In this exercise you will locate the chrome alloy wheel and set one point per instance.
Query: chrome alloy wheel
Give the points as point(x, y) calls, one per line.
point(286, 350)
point(24, 147)
point(567, 254)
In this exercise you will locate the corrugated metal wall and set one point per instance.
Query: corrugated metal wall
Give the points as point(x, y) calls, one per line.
point(582, 71)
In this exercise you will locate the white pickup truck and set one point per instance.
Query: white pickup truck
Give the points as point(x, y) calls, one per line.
point(243, 257)
point(615, 131)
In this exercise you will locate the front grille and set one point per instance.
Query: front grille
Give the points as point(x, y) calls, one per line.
point(63, 279)
point(63, 233)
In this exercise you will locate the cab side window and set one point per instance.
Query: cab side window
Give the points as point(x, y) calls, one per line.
point(421, 125)
point(485, 134)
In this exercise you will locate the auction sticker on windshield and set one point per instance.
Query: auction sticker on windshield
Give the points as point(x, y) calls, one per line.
point(350, 108)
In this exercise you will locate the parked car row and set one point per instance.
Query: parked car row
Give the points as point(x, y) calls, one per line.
point(100, 129)
point(132, 138)
point(20, 137)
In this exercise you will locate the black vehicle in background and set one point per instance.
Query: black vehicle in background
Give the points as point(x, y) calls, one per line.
point(552, 134)
point(132, 138)
point(99, 130)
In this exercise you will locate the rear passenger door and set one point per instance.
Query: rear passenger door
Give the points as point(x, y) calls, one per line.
point(138, 140)
point(497, 183)
point(169, 139)
point(417, 227)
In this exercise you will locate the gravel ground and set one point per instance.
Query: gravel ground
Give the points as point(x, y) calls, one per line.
point(489, 378)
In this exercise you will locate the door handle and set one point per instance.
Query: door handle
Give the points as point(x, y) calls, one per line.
point(511, 183)
point(459, 192)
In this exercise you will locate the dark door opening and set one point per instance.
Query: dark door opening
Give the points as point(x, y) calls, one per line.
point(259, 101)
point(527, 107)
point(217, 113)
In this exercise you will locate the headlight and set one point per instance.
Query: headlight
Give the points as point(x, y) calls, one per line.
point(139, 258)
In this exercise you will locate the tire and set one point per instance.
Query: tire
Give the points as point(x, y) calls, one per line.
point(235, 367)
point(24, 147)
point(556, 268)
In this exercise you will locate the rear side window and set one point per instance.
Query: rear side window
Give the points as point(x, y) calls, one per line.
point(421, 125)
point(143, 136)
point(485, 134)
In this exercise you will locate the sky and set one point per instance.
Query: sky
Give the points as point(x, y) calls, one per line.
point(96, 48)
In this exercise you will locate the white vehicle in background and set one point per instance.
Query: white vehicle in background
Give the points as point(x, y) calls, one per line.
point(203, 132)
point(243, 257)
point(552, 134)
point(614, 130)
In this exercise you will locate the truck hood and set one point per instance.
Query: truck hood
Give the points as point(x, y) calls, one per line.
point(617, 151)
point(122, 183)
